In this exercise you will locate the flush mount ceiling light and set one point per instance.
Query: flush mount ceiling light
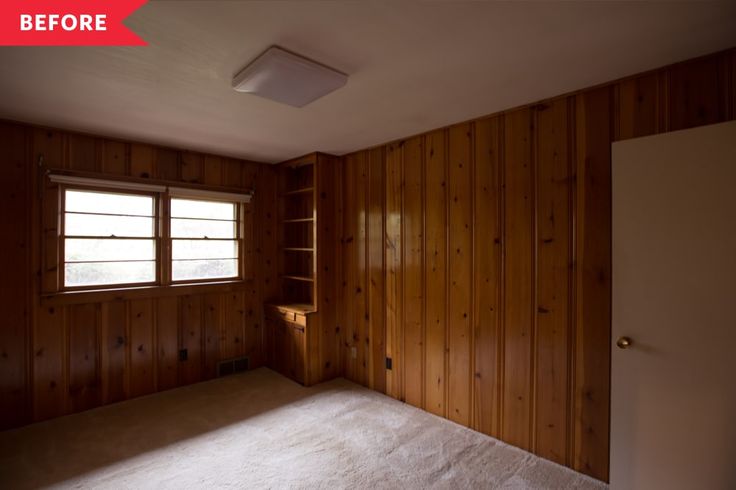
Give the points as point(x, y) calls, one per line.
point(288, 78)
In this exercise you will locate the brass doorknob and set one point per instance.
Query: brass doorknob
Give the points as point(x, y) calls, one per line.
point(624, 342)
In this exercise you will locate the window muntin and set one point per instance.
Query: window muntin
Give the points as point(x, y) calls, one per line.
point(204, 239)
point(109, 238)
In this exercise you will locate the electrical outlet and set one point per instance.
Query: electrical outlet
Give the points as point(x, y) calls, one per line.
point(354, 352)
point(183, 355)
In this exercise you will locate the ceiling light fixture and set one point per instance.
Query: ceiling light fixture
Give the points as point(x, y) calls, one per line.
point(288, 78)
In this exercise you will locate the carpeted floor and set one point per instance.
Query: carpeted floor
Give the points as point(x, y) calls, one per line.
point(260, 430)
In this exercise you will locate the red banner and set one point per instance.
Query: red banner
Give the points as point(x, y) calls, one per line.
point(67, 23)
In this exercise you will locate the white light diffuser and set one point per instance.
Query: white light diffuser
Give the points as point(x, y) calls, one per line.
point(288, 78)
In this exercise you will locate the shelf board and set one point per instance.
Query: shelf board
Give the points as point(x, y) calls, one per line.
point(303, 190)
point(301, 308)
point(298, 249)
point(298, 220)
point(299, 278)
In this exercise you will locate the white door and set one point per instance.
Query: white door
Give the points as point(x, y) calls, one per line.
point(673, 390)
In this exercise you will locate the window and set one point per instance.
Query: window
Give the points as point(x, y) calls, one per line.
point(124, 234)
point(109, 238)
point(204, 242)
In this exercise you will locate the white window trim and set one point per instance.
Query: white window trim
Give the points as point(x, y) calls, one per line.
point(178, 192)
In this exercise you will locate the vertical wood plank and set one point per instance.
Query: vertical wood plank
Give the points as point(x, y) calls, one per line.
point(232, 172)
point(554, 280)
point(190, 338)
point(435, 229)
point(113, 355)
point(413, 272)
point(213, 170)
point(141, 347)
point(487, 279)
point(593, 282)
point(212, 331)
point(82, 152)
point(639, 107)
point(249, 174)
point(375, 271)
point(48, 147)
point(252, 331)
point(142, 160)
point(83, 348)
point(167, 342)
point(360, 313)
point(192, 167)
point(15, 286)
point(50, 222)
point(49, 144)
point(348, 252)
point(167, 164)
point(327, 265)
point(114, 157)
point(460, 273)
point(518, 279)
point(49, 381)
point(266, 238)
point(394, 276)
point(232, 342)
point(696, 93)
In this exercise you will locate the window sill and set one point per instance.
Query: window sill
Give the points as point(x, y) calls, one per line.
point(118, 294)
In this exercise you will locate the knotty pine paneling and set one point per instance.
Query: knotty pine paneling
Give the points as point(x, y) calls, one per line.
point(393, 264)
point(375, 252)
point(518, 279)
point(553, 293)
point(413, 285)
point(167, 342)
point(593, 280)
point(497, 258)
point(328, 343)
point(15, 251)
point(487, 223)
point(460, 270)
point(62, 358)
point(113, 351)
point(435, 267)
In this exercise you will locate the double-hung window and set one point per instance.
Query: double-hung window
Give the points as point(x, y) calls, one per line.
point(124, 238)
point(204, 239)
point(109, 238)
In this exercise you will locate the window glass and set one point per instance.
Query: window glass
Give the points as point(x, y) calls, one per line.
point(204, 240)
point(108, 238)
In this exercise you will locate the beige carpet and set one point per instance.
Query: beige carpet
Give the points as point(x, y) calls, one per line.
point(260, 430)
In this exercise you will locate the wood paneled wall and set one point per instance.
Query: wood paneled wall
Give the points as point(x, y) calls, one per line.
point(59, 357)
point(478, 258)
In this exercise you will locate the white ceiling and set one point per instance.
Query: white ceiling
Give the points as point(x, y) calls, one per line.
point(413, 67)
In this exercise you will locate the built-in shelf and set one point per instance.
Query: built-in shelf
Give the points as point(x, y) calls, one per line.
point(298, 220)
point(303, 190)
point(299, 278)
point(297, 241)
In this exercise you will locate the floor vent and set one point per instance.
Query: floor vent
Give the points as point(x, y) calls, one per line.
point(232, 366)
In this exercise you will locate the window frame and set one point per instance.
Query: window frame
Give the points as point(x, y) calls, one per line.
point(156, 237)
point(163, 259)
point(239, 242)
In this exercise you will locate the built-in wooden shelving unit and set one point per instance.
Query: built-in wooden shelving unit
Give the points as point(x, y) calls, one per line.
point(300, 323)
point(298, 231)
